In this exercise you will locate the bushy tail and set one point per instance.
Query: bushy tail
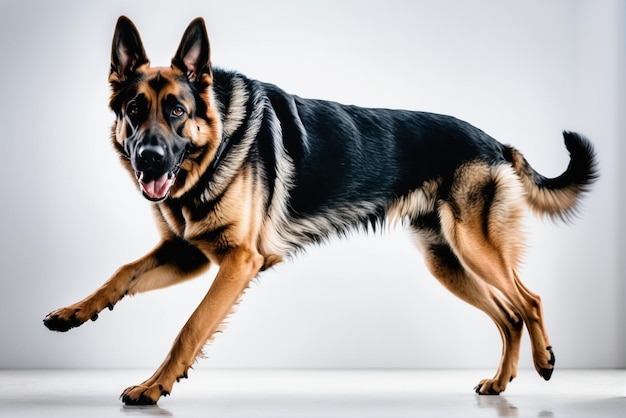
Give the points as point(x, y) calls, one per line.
point(558, 197)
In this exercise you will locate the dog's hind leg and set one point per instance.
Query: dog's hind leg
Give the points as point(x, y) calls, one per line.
point(445, 266)
point(171, 262)
point(484, 231)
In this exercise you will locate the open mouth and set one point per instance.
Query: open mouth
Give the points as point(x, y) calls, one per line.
point(155, 180)
point(156, 188)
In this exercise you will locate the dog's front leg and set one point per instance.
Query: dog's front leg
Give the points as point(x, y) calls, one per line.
point(238, 268)
point(172, 261)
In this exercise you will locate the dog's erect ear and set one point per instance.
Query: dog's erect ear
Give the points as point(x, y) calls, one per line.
point(127, 52)
point(193, 55)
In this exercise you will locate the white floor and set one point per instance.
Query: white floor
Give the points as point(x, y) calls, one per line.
point(265, 393)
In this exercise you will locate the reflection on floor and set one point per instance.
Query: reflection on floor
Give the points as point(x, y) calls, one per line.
point(332, 393)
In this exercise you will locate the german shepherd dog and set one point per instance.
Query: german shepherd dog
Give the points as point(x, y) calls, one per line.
point(243, 174)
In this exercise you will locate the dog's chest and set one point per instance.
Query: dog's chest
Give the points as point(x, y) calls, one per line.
point(201, 226)
point(183, 221)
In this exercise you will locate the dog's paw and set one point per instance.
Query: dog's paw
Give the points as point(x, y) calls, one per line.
point(489, 387)
point(73, 316)
point(545, 366)
point(143, 395)
point(64, 319)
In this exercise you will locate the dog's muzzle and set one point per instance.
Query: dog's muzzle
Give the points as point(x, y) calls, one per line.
point(156, 170)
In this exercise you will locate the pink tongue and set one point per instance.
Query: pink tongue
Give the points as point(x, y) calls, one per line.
point(157, 188)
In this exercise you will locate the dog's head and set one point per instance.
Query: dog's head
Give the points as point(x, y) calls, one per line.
point(166, 130)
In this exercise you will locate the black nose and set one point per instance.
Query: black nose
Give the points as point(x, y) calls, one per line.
point(150, 154)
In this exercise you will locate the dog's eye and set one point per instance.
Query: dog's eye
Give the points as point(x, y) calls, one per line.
point(178, 111)
point(132, 110)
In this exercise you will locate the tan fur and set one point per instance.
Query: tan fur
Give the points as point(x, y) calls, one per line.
point(559, 203)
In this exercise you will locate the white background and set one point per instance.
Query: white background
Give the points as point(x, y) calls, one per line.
point(521, 71)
